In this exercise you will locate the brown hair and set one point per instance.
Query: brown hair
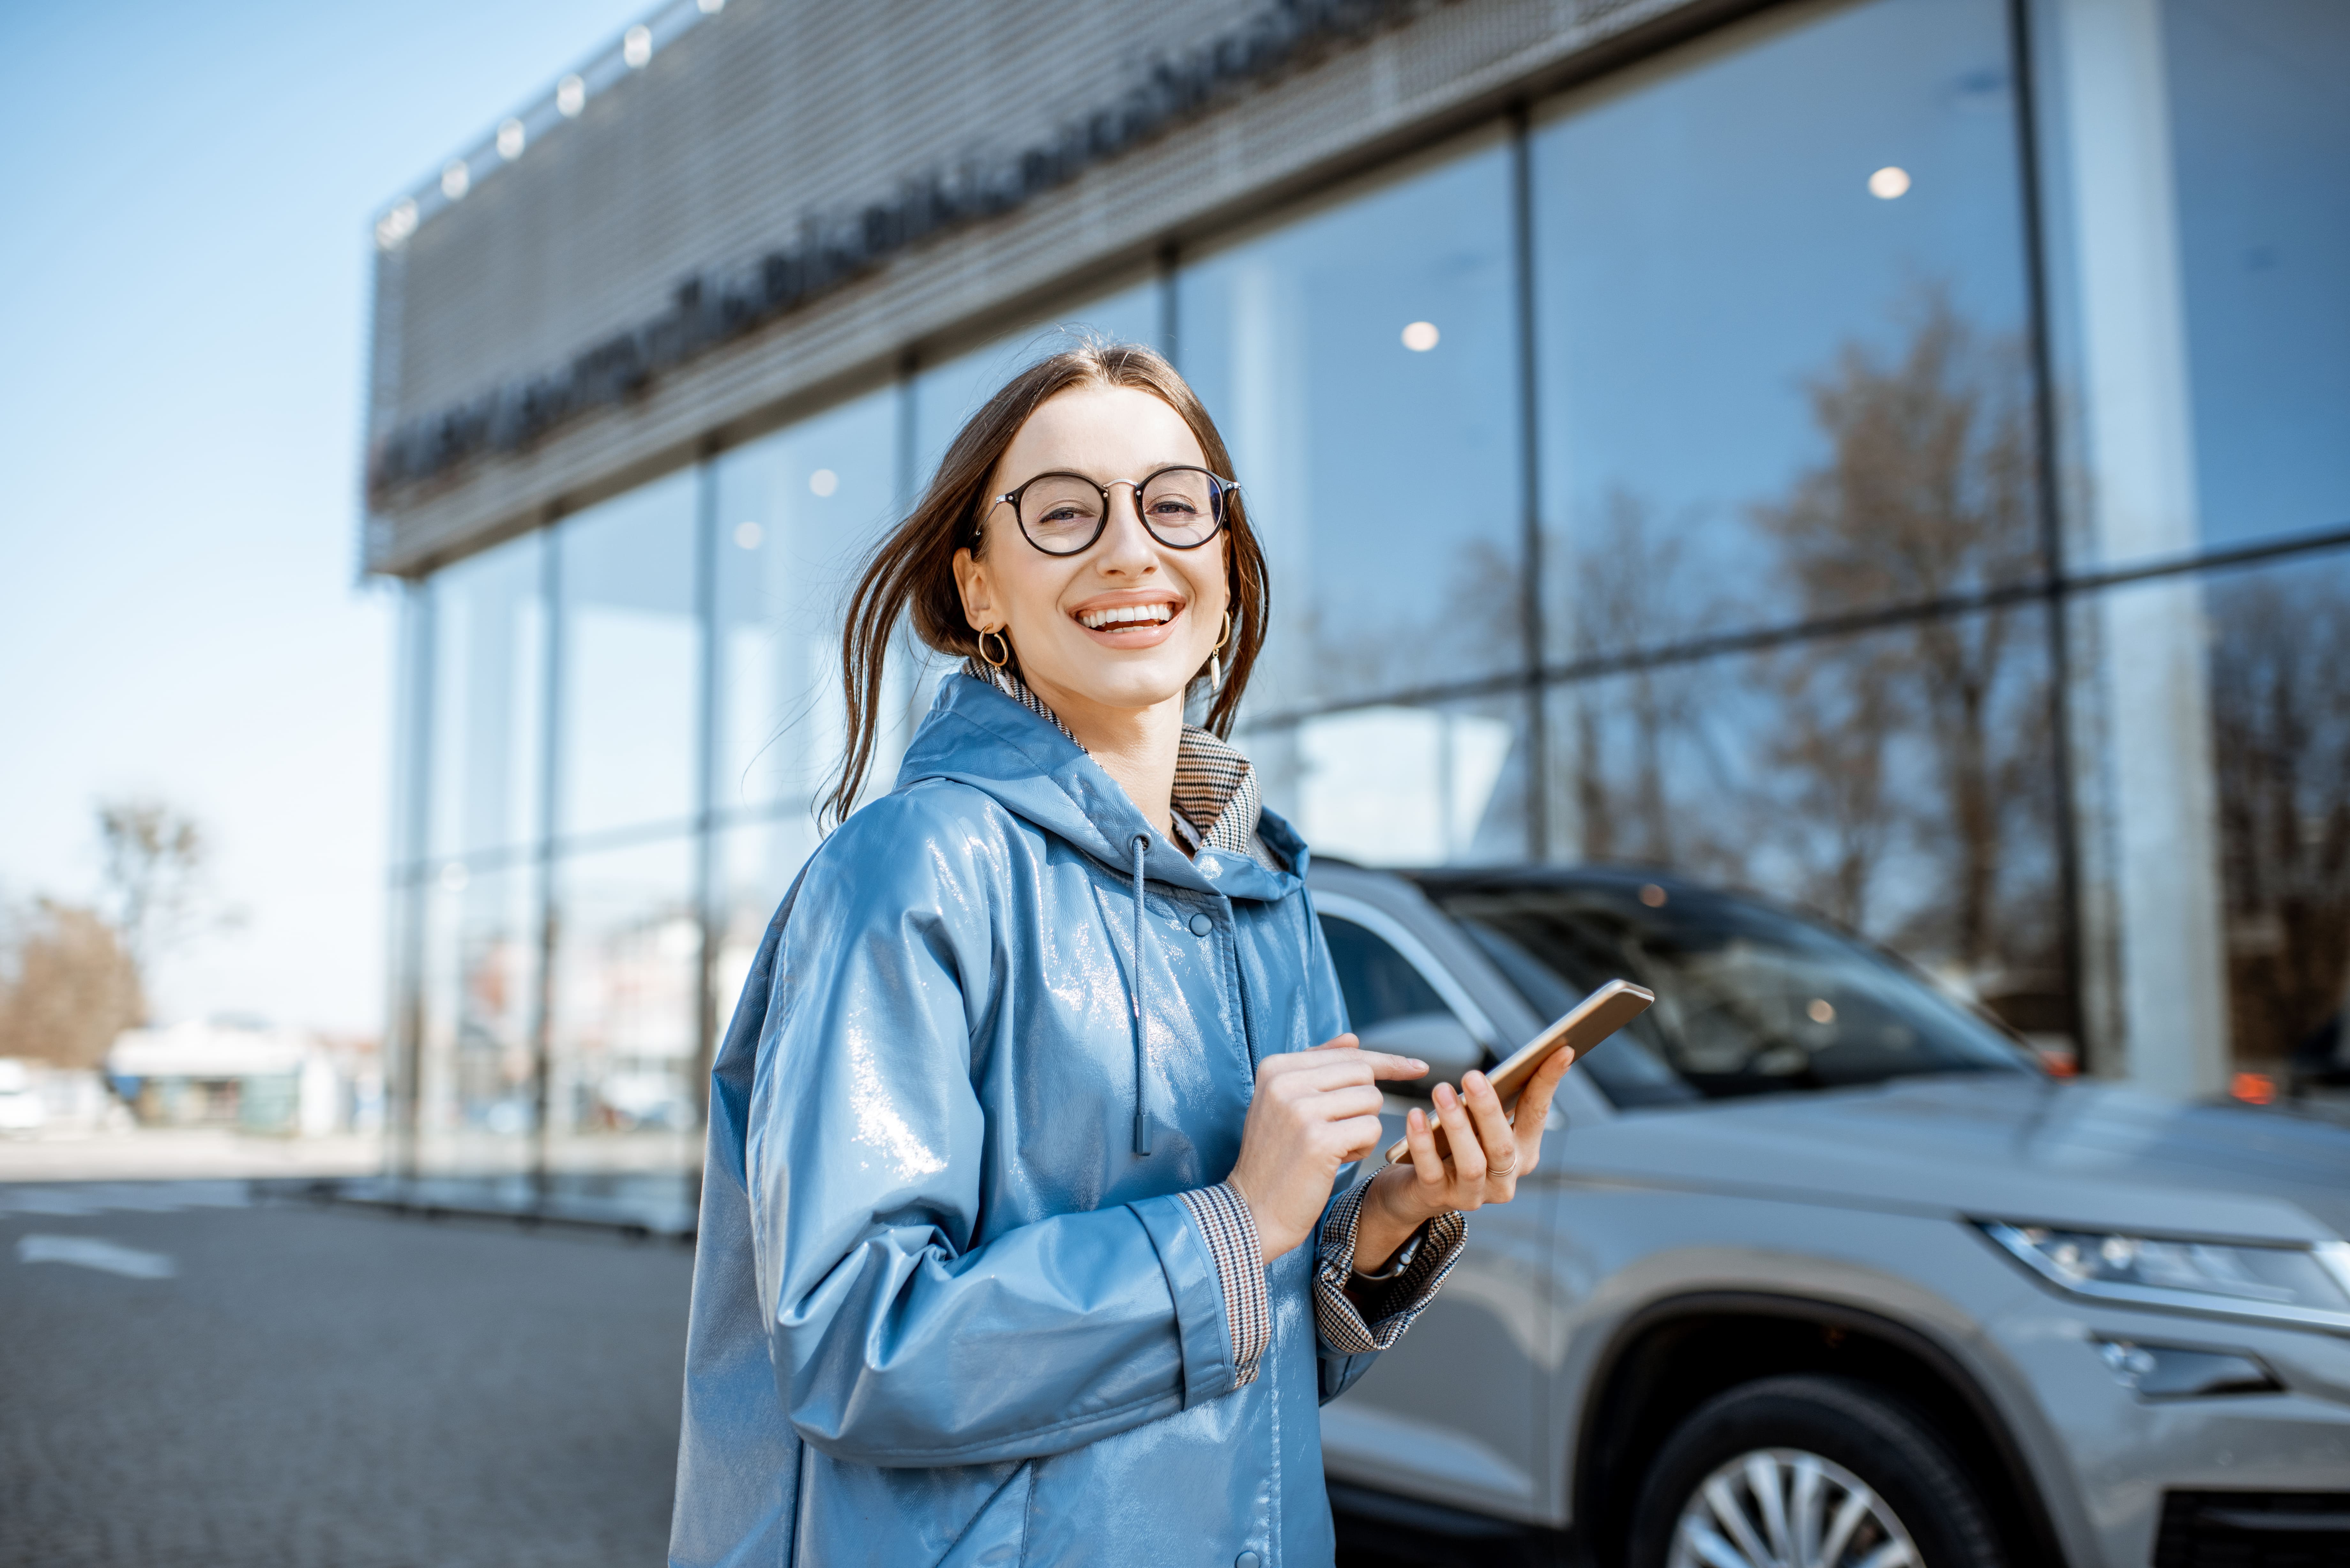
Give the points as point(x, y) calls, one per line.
point(911, 572)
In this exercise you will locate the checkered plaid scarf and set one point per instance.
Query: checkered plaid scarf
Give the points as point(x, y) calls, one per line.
point(1216, 792)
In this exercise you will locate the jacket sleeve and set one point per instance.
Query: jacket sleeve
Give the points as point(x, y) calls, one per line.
point(896, 1340)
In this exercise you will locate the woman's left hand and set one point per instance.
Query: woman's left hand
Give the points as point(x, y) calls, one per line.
point(1489, 1152)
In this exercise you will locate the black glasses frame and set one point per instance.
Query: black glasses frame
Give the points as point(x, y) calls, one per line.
point(1219, 488)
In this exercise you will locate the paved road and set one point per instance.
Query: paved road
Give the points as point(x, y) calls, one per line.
point(327, 1387)
point(187, 1379)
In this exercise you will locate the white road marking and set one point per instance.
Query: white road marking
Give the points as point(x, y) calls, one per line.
point(91, 1252)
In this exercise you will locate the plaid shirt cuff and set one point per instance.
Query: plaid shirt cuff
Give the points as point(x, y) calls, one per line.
point(1389, 1304)
point(1230, 1230)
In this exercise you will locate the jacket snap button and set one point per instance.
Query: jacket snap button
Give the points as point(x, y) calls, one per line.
point(1201, 927)
point(1248, 1560)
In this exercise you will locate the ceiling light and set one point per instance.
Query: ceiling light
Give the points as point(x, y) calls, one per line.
point(1420, 336)
point(636, 45)
point(456, 180)
point(570, 96)
point(748, 535)
point(712, 8)
point(1888, 182)
point(511, 137)
point(824, 482)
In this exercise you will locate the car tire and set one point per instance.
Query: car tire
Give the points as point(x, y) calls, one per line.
point(1824, 1447)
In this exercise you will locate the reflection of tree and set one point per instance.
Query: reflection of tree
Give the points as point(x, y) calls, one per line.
point(1896, 779)
point(1927, 492)
point(1633, 588)
point(2281, 718)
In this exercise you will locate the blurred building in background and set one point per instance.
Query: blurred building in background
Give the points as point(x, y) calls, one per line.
point(1889, 454)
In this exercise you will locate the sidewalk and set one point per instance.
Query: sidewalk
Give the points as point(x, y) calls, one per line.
point(165, 1153)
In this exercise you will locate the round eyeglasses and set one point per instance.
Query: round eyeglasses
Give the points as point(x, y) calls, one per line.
point(1062, 514)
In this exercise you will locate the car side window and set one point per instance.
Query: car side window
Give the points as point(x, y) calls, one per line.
point(1392, 1006)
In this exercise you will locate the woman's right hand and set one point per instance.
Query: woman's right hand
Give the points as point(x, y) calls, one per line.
point(1314, 1112)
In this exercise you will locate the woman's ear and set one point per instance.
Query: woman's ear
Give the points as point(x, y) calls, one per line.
point(978, 593)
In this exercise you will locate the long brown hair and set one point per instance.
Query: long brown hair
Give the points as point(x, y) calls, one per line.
point(910, 574)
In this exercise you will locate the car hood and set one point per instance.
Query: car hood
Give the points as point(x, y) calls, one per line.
point(1997, 1147)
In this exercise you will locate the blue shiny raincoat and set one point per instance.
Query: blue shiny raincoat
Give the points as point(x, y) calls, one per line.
point(943, 1313)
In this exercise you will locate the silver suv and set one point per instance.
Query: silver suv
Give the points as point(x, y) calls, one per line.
point(1826, 1271)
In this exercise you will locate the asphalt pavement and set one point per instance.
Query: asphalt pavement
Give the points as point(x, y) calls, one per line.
point(190, 1378)
point(187, 1378)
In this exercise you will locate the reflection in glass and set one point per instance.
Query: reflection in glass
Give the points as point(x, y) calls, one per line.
point(628, 709)
point(945, 395)
point(1750, 1000)
point(475, 1086)
point(1901, 784)
point(489, 696)
point(1383, 478)
point(796, 510)
point(1395, 785)
point(755, 864)
point(623, 1025)
point(1768, 388)
point(2259, 122)
point(2280, 665)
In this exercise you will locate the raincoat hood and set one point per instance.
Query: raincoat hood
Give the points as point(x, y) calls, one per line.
point(1027, 765)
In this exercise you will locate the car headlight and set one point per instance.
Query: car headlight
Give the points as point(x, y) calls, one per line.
point(2276, 1283)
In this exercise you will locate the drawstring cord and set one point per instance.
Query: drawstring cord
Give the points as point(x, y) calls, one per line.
point(1141, 1116)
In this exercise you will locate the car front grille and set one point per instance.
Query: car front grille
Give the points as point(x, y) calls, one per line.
point(2254, 1529)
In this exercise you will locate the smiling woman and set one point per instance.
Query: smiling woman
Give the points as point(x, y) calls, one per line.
point(1028, 1224)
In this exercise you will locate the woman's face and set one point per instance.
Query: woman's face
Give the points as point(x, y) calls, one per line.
point(1050, 607)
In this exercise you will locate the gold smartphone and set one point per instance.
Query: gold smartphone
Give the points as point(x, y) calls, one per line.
point(1591, 1021)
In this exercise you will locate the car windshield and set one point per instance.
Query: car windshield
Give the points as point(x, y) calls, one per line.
point(1751, 998)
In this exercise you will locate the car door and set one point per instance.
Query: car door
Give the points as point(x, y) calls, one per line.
point(1450, 1413)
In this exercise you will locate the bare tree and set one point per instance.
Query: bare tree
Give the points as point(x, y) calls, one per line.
point(154, 869)
point(2281, 717)
point(70, 987)
point(1927, 493)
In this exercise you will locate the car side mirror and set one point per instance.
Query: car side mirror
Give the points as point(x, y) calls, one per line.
point(1437, 1039)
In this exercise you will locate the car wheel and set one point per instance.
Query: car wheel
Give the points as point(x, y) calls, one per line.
point(1808, 1472)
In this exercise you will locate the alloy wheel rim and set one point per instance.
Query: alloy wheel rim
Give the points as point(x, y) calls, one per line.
point(1784, 1508)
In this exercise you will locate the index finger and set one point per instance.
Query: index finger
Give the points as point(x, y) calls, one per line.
point(1380, 1064)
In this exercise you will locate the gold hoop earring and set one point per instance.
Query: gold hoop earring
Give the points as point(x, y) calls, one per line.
point(1001, 641)
point(1216, 656)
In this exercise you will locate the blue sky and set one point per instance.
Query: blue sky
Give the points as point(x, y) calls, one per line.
point(184, 275)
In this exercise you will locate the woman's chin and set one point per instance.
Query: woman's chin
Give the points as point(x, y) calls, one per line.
point(1136, 679)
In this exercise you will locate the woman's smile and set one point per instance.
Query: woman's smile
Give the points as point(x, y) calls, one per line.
point(1128, 620)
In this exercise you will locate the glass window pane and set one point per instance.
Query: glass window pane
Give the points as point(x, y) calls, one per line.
point(796, 511)
point(2260, 120)
point(476, 1089)
point(624, 1025)
point(1362, 364)
point(756, 863)
point(945, 395)
point(2280, 665)
point(1901, 784)
point(629, 673)
point(489, 695)
point(1779, 309)
point(1397, 785)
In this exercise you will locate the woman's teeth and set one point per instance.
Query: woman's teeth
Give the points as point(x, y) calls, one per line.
point(1126, 615)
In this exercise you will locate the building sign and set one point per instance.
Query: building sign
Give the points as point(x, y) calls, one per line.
point(711, 308)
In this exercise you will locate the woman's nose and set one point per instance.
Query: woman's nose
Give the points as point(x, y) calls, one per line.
point(1127, 545)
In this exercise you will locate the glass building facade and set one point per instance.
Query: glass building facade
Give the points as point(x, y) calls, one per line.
point(1894, 455)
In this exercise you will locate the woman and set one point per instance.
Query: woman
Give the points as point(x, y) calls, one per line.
point(1018, 1236)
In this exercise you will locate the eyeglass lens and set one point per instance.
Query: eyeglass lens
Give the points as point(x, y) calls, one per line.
point(1064, 512)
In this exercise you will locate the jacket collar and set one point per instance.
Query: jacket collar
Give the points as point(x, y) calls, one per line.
point(998, 737)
